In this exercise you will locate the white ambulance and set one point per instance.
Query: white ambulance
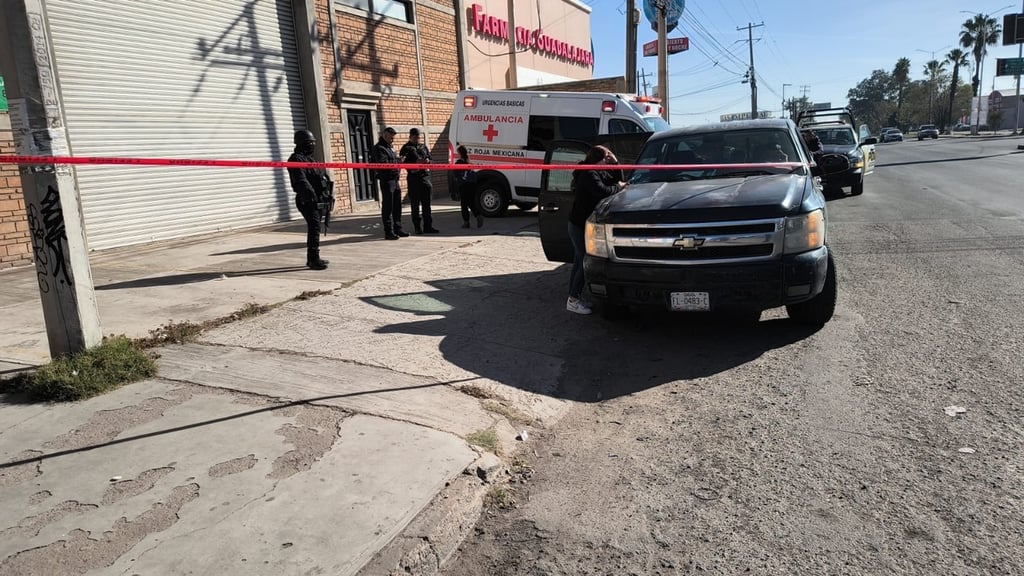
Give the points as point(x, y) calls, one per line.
point(514, 127)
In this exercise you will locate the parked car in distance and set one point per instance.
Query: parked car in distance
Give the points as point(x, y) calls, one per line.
point(891, 135)
point(927, 131)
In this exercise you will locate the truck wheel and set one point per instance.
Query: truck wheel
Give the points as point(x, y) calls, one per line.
point(858, 188)
point(818, 310)
point(493, 198)
point(526, 206)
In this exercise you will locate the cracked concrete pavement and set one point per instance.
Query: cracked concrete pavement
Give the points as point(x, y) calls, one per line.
point(326, 436)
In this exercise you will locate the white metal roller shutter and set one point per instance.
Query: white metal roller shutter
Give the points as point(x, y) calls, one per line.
point(185, 79)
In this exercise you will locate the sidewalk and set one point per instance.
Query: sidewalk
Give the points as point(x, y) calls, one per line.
point(326, 436)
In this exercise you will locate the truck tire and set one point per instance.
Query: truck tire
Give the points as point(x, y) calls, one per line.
point(493, 196)
point(858, 188)
point(818, 310)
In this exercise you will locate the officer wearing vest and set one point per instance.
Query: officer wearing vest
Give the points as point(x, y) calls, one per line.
point(418, 178)
point(389, 192)
point(313, 189)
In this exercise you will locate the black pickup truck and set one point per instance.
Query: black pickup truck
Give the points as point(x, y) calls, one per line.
point(745, 234)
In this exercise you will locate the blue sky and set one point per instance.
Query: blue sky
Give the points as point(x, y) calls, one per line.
point(825, 45)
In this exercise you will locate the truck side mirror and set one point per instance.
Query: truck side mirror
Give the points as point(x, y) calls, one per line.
point(869, 141)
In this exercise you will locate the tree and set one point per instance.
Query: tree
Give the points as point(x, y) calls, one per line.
point(977, 35)
point(995, 118)
point(958, 58)
point(797, 105)
point(900, 75)
point(935, 71)
point(871, 100)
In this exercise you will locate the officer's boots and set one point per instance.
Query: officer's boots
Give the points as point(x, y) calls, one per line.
point(314, 262)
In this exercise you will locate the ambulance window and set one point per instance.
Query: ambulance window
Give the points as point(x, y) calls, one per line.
point(544, 129)
point(577, 128)
point(541, 131)
point(620, 126)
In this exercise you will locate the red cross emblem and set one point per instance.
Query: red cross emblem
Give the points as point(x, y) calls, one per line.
point(490, 132)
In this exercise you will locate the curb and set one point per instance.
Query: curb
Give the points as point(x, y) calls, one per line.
point(429, 541)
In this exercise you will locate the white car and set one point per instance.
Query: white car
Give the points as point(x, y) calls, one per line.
point(891, 135)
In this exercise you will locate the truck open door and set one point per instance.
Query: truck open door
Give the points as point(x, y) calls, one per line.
point(556, 193)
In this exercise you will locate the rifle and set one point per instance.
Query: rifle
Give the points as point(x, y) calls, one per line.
point(327, 206)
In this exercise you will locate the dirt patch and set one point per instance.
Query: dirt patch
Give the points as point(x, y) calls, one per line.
point(80, 553)
point(9, 476)
point(29, 527)
point(129, 488)
point(313, 435)
point(233, 466)
point(107, 425)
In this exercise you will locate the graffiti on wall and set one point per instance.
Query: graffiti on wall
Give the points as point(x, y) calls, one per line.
point(49, 241)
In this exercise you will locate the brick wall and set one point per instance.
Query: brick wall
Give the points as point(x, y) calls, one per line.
point(15, 245)
point(382, 54)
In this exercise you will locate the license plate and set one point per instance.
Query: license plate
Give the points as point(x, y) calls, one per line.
point(690, 301)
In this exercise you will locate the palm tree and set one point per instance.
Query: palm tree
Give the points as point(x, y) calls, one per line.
point(900, 75)
point(978, 34)
point(958, 58)
point(934, 70)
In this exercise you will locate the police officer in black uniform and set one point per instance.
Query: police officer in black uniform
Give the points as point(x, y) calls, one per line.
point(420, 188)
point(388, 189)
point(313, 190)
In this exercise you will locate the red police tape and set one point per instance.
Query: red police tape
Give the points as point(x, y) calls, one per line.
point(103, 160)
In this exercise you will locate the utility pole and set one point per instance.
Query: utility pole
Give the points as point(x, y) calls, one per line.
point(784, 99)
point(513, 68)
point(662, 6)
point(753, 77)
point(55, 222)
point(644, 75)
point(632, 20)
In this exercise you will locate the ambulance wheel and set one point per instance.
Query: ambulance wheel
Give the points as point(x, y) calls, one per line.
point(493, 198)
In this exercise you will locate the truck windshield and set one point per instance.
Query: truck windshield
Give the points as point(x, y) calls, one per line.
point(751, 146)
point(842, 136)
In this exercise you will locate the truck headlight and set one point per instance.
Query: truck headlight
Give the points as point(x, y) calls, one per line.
point(856, 160)
point(596, 240)
point(804, 232)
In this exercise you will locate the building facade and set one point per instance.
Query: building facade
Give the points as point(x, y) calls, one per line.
point(233, 79)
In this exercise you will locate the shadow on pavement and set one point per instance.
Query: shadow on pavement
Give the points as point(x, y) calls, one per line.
point(193, 277)
point(514, 329)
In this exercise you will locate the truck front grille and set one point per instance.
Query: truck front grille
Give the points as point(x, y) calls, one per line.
point(703, 243)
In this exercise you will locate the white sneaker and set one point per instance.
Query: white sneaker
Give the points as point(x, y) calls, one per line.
point(578, 306)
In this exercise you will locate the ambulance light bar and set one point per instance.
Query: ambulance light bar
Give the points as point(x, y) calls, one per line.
point(608, 106)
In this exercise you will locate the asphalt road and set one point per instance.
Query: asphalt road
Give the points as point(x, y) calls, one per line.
point(769, 449)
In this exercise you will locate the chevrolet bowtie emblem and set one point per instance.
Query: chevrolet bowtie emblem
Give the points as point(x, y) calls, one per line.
point(688, 242)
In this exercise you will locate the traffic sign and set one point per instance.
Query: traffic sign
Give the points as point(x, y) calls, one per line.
point(675, 45)
point(1009, 66)
point(1013, 29)
point(673, 12)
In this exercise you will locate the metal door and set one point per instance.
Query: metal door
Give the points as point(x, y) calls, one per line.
point(360, 143)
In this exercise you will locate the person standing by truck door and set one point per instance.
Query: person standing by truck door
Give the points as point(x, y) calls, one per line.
point(418, 179)
point(388, 189)
point(589, 187)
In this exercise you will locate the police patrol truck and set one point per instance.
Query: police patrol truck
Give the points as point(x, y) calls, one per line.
point(514, 127)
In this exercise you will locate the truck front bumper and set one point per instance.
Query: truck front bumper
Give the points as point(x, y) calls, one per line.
point(730, 287)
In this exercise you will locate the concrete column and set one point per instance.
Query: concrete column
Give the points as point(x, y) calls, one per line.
point(59, 246)
point(311, 68)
